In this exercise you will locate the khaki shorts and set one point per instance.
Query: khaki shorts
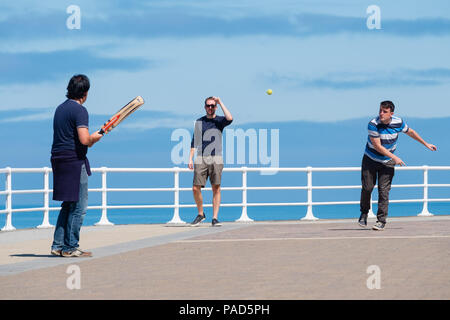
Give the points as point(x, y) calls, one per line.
point(205, 167)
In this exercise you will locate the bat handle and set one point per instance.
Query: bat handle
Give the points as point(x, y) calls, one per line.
point(101, 132)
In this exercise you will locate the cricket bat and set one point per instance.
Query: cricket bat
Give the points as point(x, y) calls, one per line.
point(120, 115)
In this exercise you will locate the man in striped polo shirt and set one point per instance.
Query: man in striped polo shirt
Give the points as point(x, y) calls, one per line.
point(379, 160)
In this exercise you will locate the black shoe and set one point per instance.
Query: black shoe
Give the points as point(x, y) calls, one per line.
point(363, 220)
point(216, 223)
point(198, 219)
point(379, 226)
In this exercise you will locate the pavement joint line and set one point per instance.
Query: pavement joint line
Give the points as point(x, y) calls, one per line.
point(101, 252)
point(310, 238)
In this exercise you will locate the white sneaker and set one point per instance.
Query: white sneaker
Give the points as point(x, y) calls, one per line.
point(76, 253)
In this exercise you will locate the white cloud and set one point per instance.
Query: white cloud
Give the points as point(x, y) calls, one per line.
point(231, 9)
point(151, 123)
point(31, 117)
point(237, 69)
point(50, 45)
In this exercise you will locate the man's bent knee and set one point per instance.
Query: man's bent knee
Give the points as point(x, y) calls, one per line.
point(367, 189)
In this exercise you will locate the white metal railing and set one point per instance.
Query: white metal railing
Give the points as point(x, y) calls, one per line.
point(309, 187)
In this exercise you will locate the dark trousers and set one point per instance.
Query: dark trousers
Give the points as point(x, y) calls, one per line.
point(370, 170)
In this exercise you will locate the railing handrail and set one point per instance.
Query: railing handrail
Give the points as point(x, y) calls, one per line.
point(309, 187)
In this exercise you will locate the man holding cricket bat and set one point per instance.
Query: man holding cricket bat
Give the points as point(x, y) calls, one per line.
point(70, 166)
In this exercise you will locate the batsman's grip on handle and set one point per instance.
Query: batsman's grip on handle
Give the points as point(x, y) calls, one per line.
point(124, 112)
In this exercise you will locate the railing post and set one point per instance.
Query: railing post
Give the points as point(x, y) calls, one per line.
point(104, 219)
point(309, 212)
point(425, 212)
point(45, 223)
point(8, 203)
point(244, 217)
point(176, 211)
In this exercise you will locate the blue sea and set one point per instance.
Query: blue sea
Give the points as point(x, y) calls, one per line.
point(24, 220)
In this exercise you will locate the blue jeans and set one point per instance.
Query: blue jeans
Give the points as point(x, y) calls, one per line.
point(70, 218)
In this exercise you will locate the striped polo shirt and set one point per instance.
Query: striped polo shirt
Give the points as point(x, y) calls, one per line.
point(388, 134)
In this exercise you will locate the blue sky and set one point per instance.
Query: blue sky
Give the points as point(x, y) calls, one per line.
point(318, 57)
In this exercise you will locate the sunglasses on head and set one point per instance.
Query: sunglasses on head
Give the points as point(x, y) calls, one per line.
point(210, 105)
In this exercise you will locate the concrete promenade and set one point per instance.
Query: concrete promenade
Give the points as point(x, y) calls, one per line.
point(325, 259)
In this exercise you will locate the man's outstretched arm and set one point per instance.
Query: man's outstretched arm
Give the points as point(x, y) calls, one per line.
point(413, 134)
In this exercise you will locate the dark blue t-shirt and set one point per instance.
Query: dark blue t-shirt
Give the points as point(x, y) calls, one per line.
point(208, 135)
point(69, 116)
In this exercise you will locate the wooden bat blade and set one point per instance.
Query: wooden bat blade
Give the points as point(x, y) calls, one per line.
point(120, 115)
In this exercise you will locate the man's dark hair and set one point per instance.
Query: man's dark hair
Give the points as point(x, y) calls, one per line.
point(209, 98)
point(387, 104)
point(78, 86)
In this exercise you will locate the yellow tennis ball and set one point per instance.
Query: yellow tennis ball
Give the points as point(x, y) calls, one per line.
point(269, 92)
